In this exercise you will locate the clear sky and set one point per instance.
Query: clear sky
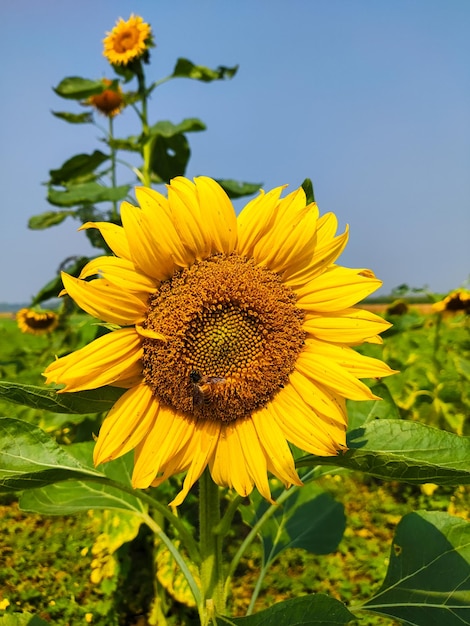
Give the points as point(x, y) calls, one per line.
point(370, 99)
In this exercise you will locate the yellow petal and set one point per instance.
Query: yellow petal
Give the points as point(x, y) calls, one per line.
point(350, 326)
point(114, 236)
point(148, 251)
point(119, 272)
point(126, 424)
point(169, 435)
point(228, 466)
point(105, 301)
point(104, 361)
point(256, 219)
point(320, 365)
point(318, 397)
point(336, 289)
point(219, 216)
point(205, 439)
point(277, 452)
point(160, 223)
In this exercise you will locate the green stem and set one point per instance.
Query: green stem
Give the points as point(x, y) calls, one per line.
point(147, 145)
point(210, 545)
point(114, 212)
point(155, 528)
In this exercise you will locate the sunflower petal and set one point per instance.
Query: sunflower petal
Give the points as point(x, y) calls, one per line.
point(350, 326)
point(104, 361)
point(120, 272)
point(256, 219)
point(220, 218)
point(126, 424)
point(114, 235)
point(105, 301)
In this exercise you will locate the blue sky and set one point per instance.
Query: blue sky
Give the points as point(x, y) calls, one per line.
point(370, 99)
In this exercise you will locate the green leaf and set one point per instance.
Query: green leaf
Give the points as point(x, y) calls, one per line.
point(168, 129)
point(237, 189)
point(87, 193)
point(307, 186)
point(313, 610)
point(48, 219)
point(75, 496)
point(169, 157)
point(359, 413)
point(76, 88)
point(406, 451)
point(310, 519)
point(29, 458)
point(428, 578)
point(186, 69)
point(22, 619)
point(74, 118)
point(81, 402)
point(79, 166)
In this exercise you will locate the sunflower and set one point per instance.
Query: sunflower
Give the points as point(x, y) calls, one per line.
point(235, 336)
point(457, 300)
point(36, 322)
point(109, 102)
point(127, 41)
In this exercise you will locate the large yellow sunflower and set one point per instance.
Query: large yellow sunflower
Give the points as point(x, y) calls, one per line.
point(127, 41)
point(235, 336)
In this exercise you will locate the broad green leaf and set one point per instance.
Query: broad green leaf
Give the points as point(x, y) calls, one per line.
point(309, 519)
point(132, 143)
point(428, 578)
point(359, 413)
point(29, 458)
point(22, 619)
point(169, 157)
point(48, 219)
point(81, 402)
point(86, 193)
point(79, 166)
point(307, 186)
point(237, 189)
point(405, 451)
point(74, 496)
point(168, 129)
point(186, 69)
point(76, 88)
point(74, 118)
point(313, 610)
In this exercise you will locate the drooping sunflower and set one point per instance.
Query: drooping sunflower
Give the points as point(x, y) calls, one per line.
point(127, 41)
point(235, 336)
point(109, 102)
point(35, 322)
point(457, 300)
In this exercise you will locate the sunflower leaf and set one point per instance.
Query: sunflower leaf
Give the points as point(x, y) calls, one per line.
point(75, 496)
point(169, 156)
point(313, 610)
point(403, 450)
point(310, 519)
point(237, 189)
point(168, 129)
point(86, 193)
point(74, 118)
point(48, 219)
point(184, 68)
point(77, 167)
point(428, 578)
point(77, 88)
point(30, 458)
point(81, 402)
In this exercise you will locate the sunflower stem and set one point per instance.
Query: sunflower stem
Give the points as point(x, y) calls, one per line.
point(147, 145)
point(210, 543)
point(114, 211)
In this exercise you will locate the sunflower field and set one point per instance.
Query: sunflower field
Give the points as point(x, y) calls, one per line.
point(210, 421)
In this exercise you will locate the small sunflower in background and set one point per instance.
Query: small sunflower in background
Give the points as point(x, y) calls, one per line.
point(109, 102)
point(457, 300)
point(236, 336)
point(128, 41)
point(37, 322)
